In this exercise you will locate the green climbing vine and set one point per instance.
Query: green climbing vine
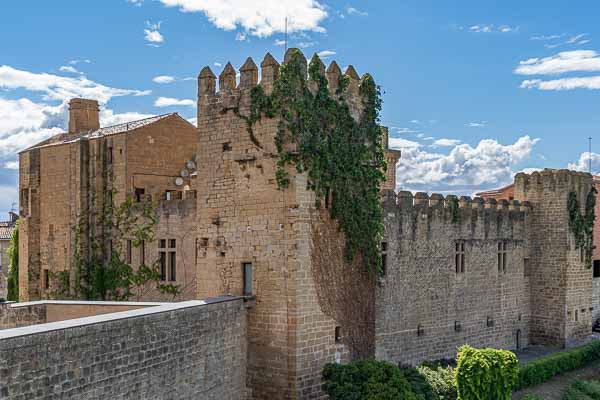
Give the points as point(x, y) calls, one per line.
point(13, 265)
point(582, 226)
point(106, 273)
point(343, 158)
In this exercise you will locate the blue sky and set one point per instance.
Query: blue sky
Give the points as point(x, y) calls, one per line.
point(473, 90)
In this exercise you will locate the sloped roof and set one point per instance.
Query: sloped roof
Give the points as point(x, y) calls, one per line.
point(6, 229)
point(63, 138)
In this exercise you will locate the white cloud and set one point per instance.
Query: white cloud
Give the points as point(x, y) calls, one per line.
point(489, 28)
point(70, 69)
point(61, 88)
point(592, 82)
point(217, 64)
point(260, 18)
point(402, 144)
point(170, 102)
point(576, 39)
point(108, 117)
point(279, 42)
point(566, 61)
point(163, 79)
point(445, 143)
point(152, 33)
point(507, 29)
point(482, 28)
point(326, 53)
point(465, 168)
point(137, 3)
point(477, 124)
point(402, 130)
point(304, 45)
point(77, 61)
point(583, 164)
point(547, 37)
point(414, 121)
point(240, 36)
point(193, 121)
point(354, 11)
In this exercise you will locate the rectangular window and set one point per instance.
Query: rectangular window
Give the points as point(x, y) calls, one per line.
point(247, 271)
point(163, 265)
point(46, 279)
point(596, 268)
point(526, 267)
point(128, 252)
point(459, 257)
point(173, 266)
point(172, 243)
point(143, 252)
point(162, 244)
point(502, 246)
point(109, 155)
point(139, 194)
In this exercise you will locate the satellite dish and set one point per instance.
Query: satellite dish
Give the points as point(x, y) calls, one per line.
point(184, 173)
point(190, 164)
point(179, 181)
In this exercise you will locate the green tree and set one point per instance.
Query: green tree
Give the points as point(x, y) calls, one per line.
point(13, 266)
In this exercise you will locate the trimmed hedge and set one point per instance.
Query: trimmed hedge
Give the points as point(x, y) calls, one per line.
point(366, 380)
point(541, 370)
point(485, 374)
point(441, 380)
point(583, 390)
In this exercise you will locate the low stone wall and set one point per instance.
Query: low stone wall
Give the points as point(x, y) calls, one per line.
point(26, 315)
point(189, 350)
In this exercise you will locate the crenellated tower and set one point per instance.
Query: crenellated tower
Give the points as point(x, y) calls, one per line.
point(561, 284)
point(256, 239)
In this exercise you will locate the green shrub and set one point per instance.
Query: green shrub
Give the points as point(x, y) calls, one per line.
point(583, 390)
point(366, 380)
point(441, 380)
point(540, 370)
point(486, 374)
point(531, 397)
point(419, 384)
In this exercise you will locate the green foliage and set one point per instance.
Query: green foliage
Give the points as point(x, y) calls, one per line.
point(531, 397)
point(344, 159)
point(583, 226)
point(106, 275)
point(13, 266)
point(366, 380)
point(441, 381)
point(541, 370)
point(485, 374)
point(583, 390)
point(454, 208)
point(419, 384)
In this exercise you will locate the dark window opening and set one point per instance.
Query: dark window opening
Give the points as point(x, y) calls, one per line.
point(172, 243)
point(128, 252)
point(459, 257)
point(139, 193)
point(162, 243)
point(596, 268)
point(226, 146)
point(576, 315)
point(338, 334)
point(247, 272)
point(173, 266)
point(163, 265)
point(46, 279)
point(109, 155)
point(502, 247)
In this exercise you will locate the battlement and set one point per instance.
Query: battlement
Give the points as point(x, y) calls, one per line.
point(553, 180)
point(406, 202)
point(229, 88)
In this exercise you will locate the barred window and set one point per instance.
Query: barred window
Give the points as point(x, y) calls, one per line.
point(459, 257)
point(502, 246)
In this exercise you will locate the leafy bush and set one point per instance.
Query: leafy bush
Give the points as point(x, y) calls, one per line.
point(419, 384)
point(486, 374)
point(540, 370)
point(440, 380)
point(583, 390)
point(366, 380)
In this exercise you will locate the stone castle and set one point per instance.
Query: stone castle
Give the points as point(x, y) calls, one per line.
point(499, 273)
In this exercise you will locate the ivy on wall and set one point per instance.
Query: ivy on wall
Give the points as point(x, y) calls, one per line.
point(13, 266)
point(582, 226)
point(343, 158)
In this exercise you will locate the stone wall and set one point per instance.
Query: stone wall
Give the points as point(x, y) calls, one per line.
point(244, 218)
point(178, 351)
point(427, 306)
point(14, 317)
point(561, 283)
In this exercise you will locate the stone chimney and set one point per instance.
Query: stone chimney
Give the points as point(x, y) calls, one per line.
point(84, 115)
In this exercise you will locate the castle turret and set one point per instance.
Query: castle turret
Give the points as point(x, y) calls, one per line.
point(560, 279)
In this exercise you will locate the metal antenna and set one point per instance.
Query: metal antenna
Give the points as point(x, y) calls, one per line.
point(590, 152)
point(285, 35)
